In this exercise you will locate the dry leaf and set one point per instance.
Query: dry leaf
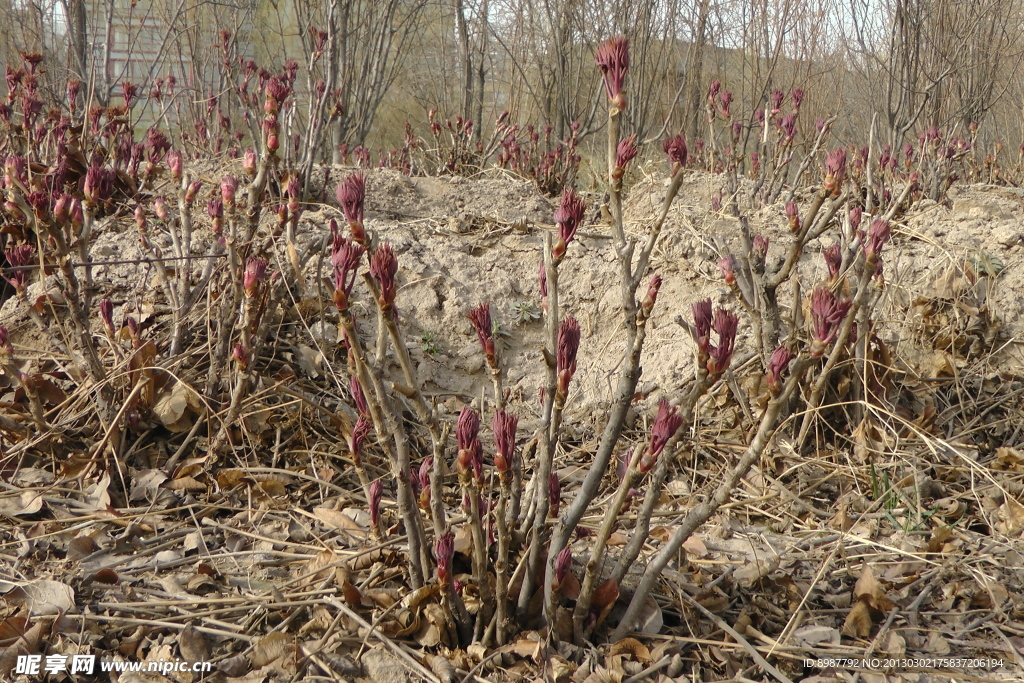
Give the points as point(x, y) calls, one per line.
point(868, 590)
point(25, 503)
point(632, 648)
point(171, 406)
point(193, 645)
point(1011, 517)
point(12, 629)
point(814, 634)
point(443, 669)
point(756, 570)
point(269, 648)
point(650, 620)
point(146, 485)
point(352, 532)
point(695, 546)
point(858, 621)
point(43, 597)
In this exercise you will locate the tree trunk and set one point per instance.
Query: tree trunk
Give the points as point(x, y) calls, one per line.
point(694, 71)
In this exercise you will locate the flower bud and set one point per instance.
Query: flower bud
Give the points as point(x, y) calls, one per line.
point(107, 315)
point(160, 208)
point(376, 493)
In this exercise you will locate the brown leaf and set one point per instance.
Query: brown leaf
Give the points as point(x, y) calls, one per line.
point(43, 597)
point(269, 648)
point(1008, 460)
point(193, 645)
point(443, 669)
point(606, 594)
point(1011, 517)
point(352, 595)
point(756, 570)
point(81, 547)
point(570, 587)
point(25, 503)
point(868, 590)
point(107, 576)
point(858, 621)
point(650, 620)
point(695, 546)
point(632, 648)
point(352, 532)
point(12, 629)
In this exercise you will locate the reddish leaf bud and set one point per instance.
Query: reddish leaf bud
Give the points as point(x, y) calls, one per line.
point(878, 234)
point(107, 315)
point(467, 435)
point(228, 187)
point(19, 257)
point(384, 267)
point(255, 272)
point(798, 98)
point(776, 101)
point(726, 99)
point(358, 397)
point(423, 482)
point(5, 342)
point(827, 315)
point(793, 215)
point(504, 427)
point(360, 432)
point(192, 191)
point(702, 317)
point(778, 364)
point(835, 170)
point(675, 148)
point(568, 217)
point(727, 265)
point(160, 208)
point(239, 353)
point(725, 324)
point(788, 127)
point(174, 163)
point(249, 162)
point(624, 153)
point(563, 563)
point(568, 346)
point(554, 495)
point(833, 261)
point(612, 58)
point(666, 424)
point(855, 216)
point(351, 195)
point(345, 257)
point(444, 551)
point(481, 319)
point(376, 493)
point(647, 305)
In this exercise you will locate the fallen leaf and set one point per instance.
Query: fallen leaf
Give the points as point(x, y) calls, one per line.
point(815, 634)
point(43, 597)
point(632, 648)
point(25, 503)
point(858, 621)
point(868, 590)
point(269, 648)
point(351, 531)
point(756, 570)
point(695, 546)
point(193, 646)
point(146, 484)
point(1011, 517)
